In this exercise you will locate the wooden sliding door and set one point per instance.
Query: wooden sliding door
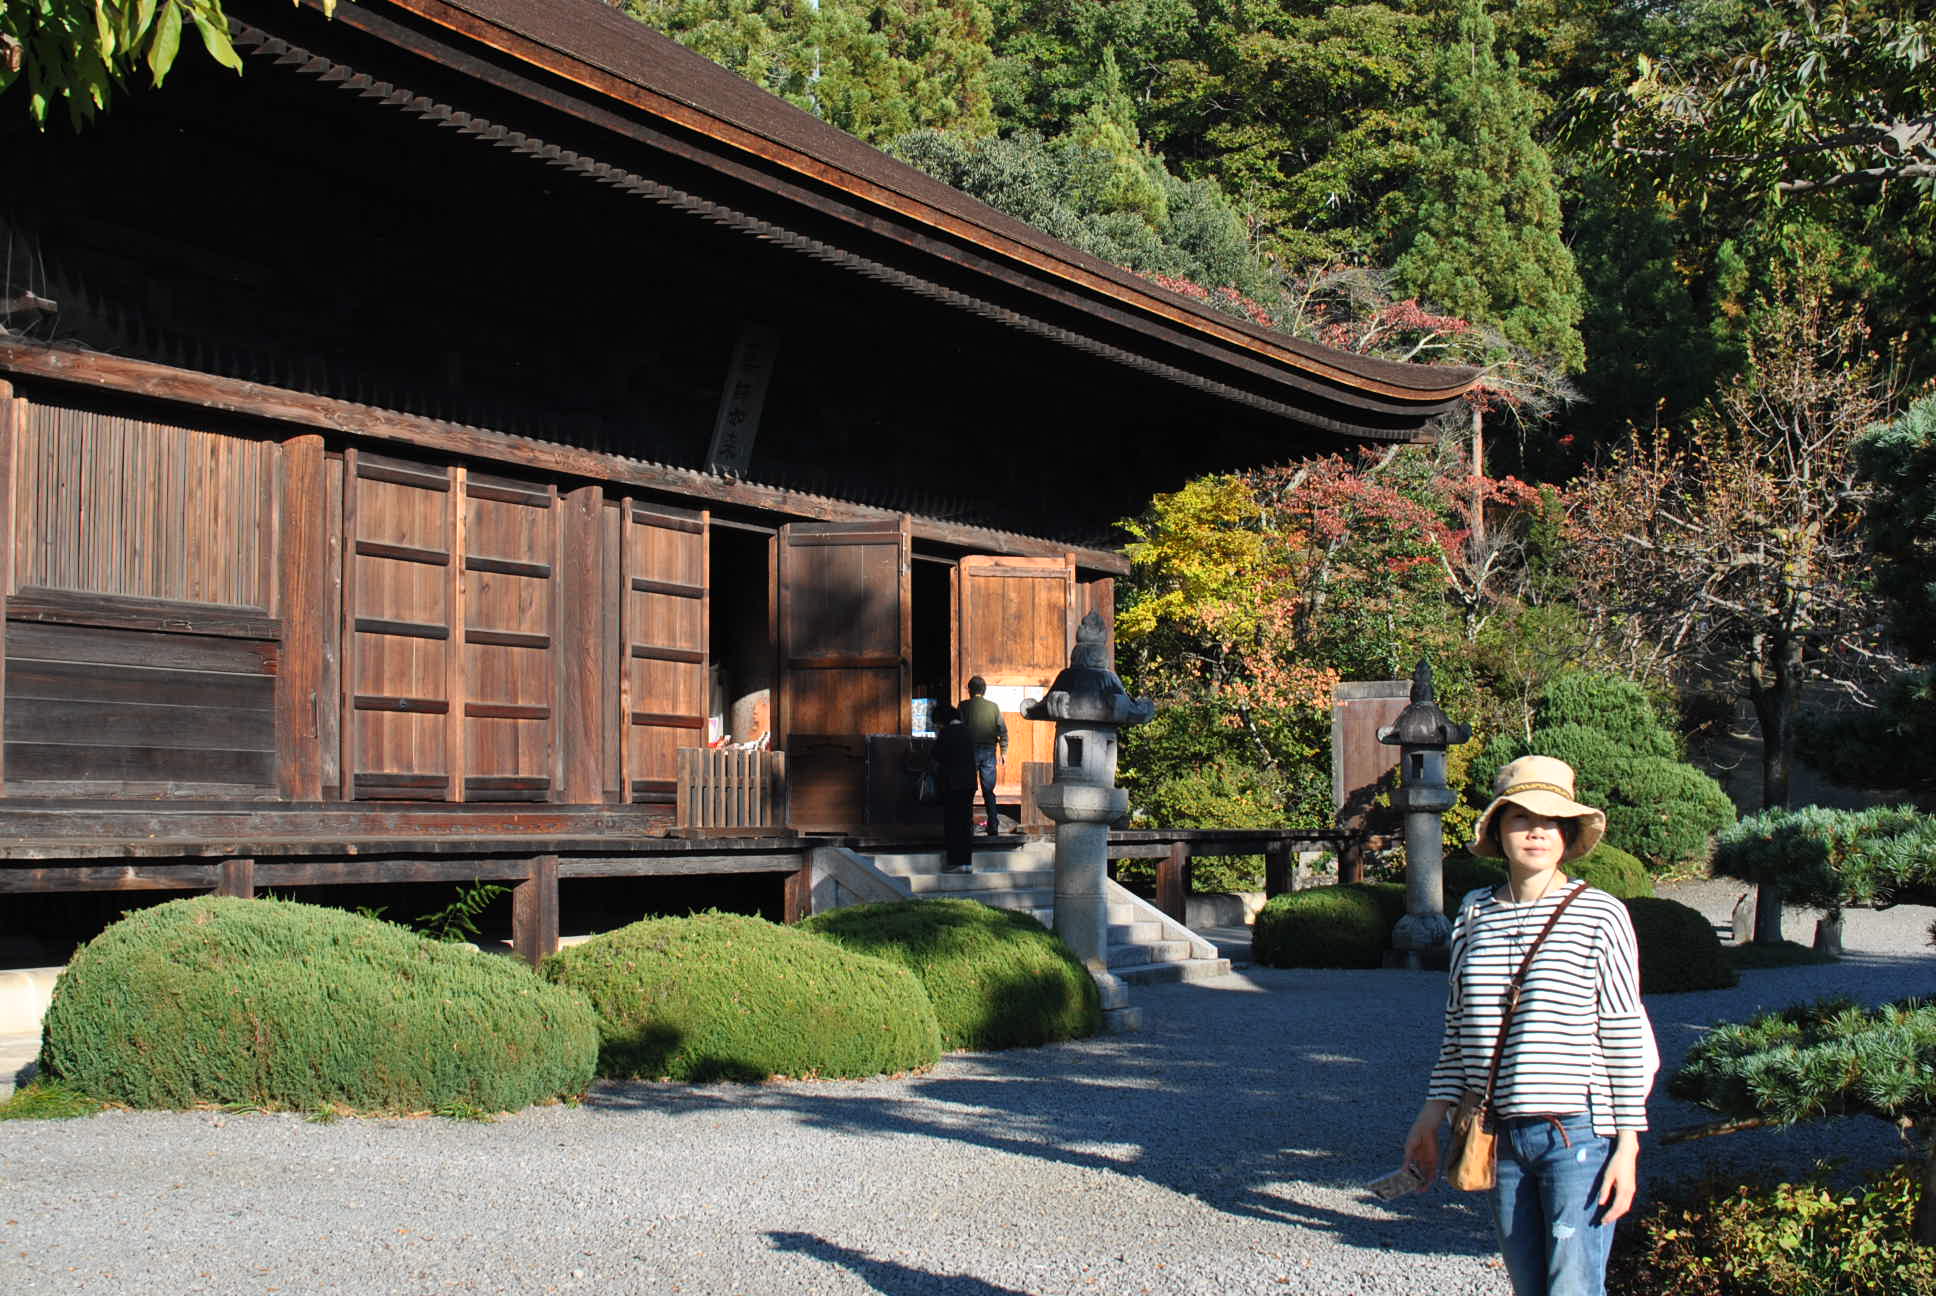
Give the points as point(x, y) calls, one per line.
point(845, 626)
point(1015, 622)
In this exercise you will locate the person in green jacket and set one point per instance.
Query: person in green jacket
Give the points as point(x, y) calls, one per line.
point(988, 731)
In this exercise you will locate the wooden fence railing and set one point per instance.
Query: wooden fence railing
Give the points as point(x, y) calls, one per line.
point(729, 791)
point(1172, 849)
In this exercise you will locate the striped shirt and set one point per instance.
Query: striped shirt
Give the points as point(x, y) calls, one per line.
point(1580, 1040)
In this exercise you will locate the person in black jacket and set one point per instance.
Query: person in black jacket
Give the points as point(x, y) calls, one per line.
point(954, 773)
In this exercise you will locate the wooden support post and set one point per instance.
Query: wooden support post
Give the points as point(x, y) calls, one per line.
point(1279, 875)
point(301, 557)
point(534, 911)
point(1351, 859)
point(1172, 881)
point(798, 903)
point(579, 734)
point(236, 878)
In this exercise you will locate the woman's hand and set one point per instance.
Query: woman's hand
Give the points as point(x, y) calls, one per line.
point(1622, 1177)
point(1422, 1141)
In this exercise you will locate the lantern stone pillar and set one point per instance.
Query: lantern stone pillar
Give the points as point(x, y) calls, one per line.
point(1423, 937)
point(1088, 705)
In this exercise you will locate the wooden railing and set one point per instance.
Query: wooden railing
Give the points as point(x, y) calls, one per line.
point(1172, 849)
point(729, 792)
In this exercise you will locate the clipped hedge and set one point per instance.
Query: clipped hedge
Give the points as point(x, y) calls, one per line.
point(1678, 948)
point(1346, 926)
point(997, 978)
point(273, 1004)
point(1625, 761)
point(719, 996)
point(1615, 872)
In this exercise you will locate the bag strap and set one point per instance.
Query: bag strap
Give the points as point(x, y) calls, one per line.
point(1517, 982)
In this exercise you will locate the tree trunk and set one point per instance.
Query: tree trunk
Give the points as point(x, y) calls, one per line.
point(1924, 1229)
point(1478, 476)
point(1777, 680)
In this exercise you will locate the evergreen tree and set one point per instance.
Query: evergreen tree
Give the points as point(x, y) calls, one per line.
point(1478, 230)
point(876, 71)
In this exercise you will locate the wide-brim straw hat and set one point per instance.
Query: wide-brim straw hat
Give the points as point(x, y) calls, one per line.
point(1544, 786)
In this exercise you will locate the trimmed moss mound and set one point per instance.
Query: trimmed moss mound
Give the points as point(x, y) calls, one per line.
point(1347, 926)
point(725, 997)
point(1678, 948)
point(997, 978)
point(272, 1004)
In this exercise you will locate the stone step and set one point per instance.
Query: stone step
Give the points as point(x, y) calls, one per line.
point(17, 1054)
point(1178, 970)
point(1138, 953)
point(1131, 933)
point(1122, 1021)
point(951, 883)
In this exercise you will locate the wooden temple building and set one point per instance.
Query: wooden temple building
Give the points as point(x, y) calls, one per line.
point(410, 448)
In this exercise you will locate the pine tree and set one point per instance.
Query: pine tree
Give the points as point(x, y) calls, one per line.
point(1478, 229)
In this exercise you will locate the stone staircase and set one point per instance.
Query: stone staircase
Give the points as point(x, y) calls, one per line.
point(1146, 946)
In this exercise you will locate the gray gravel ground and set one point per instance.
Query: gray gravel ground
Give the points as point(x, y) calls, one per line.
point(1219, 1151)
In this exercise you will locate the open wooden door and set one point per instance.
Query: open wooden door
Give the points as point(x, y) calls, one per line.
point(662, 687)
point(845, 629)
point(1015, 622)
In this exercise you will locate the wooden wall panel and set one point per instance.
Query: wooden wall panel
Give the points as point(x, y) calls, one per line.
point(664, 582)
point(120, 506)
point(93, 711)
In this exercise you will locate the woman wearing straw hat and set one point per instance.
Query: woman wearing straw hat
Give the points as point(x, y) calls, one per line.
point(1575, 1055)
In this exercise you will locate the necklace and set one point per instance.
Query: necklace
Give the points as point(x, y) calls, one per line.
point(1522, 909)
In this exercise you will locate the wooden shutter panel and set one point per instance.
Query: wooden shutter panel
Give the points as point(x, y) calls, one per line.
point(510, 612)
point(450, 618)
point(663, 688)
point(1015, 622)
point(845, 628)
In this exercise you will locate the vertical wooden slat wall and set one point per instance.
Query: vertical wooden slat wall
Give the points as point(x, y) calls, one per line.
point(663, 583)
point(13, 418)
point(135, 509)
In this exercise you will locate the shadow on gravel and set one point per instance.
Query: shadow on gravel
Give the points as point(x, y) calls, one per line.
point(884, 1275)
point(1251, 1095)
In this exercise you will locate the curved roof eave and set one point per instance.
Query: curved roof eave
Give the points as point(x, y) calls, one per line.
point(600, 49)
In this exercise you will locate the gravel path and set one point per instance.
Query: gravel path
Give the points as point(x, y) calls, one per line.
point(1218, 1151)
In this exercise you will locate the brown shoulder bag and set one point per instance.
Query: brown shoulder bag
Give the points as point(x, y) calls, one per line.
point(1471, 1161)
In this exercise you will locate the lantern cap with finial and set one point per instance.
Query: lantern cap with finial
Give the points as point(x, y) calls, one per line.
point(1087, 690)
point(1422, 724)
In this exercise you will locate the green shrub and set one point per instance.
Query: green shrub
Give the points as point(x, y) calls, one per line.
point(271, 1004)
point(1346, 926)
point(1678, 948)
point(1464, 873)
point(1720, 1239)
point(1826, 859)
point(1617, 707)
point(997, 978)
point(724, 997)
point(1625, 761)
point(1613, 871)
point(1665, 812)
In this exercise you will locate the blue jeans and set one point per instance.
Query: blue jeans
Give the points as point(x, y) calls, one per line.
point(985, 774)
point(1546, 1206)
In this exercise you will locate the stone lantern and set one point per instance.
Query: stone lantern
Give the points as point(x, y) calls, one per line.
point(1422, 733)
point(1088, 705)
